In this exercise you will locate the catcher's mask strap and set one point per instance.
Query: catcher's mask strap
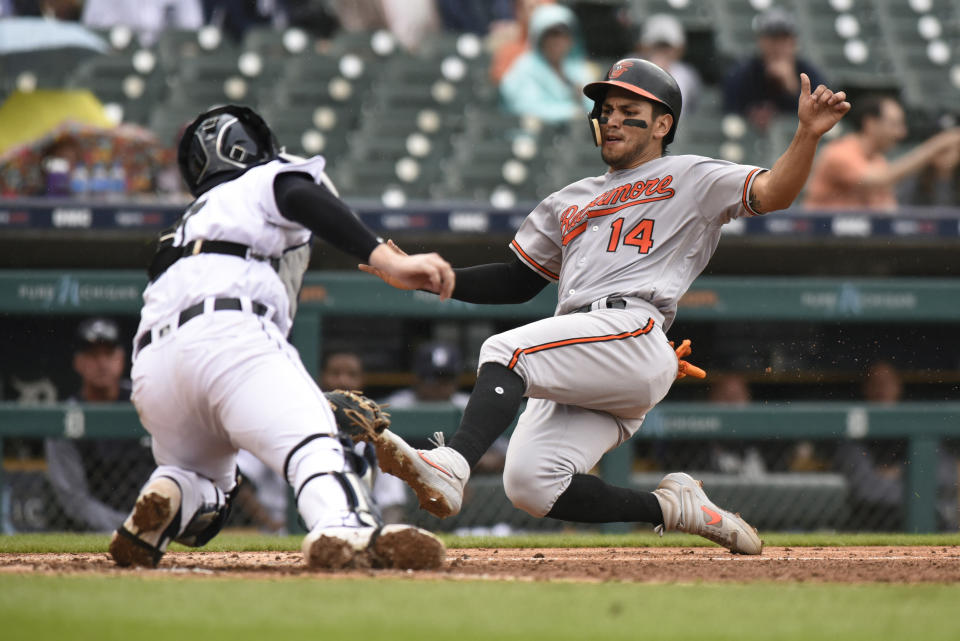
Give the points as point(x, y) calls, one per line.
point(286, 461)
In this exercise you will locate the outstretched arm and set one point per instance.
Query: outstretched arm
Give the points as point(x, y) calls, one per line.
point(914, 160)
point(817, 112)
point(316, 208)
point(494, 283)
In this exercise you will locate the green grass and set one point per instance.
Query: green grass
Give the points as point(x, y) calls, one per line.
point(161, 607)
point(233, 541)
point(171, 604)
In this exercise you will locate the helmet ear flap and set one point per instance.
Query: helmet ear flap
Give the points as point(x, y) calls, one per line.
point(593, 120)
point(595, 131)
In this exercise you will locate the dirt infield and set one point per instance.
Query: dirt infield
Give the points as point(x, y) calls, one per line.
point(644, 565)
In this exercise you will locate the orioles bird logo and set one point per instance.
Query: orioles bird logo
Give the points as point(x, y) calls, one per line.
point(617, 70)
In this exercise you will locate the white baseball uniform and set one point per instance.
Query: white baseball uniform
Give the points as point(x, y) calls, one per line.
point(641, 235)
point(226, 378)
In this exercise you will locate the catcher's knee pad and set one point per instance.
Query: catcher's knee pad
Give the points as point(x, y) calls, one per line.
point(529, 490)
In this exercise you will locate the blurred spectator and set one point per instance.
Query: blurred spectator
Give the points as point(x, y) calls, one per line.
point(436, 367)
point(875, 470)
point(314, 16)
point(147, 19)
point(410, 21)
point(58, 9)
point(95, 480)
point(510, 40)
point(768, 83)
point(92, 163)
point(341, 370)
point(853, 172)
point(938, 183)
point(663, 42)
point(882, 384)
point(236, 17)
point(55, 9)
point(359, 15)
point(545, 82)
point(730, 389)
point(471, 16)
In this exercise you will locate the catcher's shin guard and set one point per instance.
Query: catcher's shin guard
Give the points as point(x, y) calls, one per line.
point(328, 491)
point(175, 504)
point(142, 539)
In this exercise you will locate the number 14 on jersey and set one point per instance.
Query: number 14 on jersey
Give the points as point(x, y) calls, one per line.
point(639, 236)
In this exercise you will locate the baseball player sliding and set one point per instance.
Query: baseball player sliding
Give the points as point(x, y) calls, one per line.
point(212, 369)
point(624, 247)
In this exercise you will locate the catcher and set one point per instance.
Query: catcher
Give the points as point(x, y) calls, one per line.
point(624, 247)
point(213, 371)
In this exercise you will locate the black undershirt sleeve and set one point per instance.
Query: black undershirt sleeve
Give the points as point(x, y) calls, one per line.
point(315, 207)
point(497, 283)
point(303, 201)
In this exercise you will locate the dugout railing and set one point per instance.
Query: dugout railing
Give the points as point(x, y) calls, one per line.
point(922, 426)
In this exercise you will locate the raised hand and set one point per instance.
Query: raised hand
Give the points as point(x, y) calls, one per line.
point(820, 110)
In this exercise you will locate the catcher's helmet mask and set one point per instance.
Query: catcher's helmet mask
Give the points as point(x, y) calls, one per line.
point(643, 78)
point(221, 144)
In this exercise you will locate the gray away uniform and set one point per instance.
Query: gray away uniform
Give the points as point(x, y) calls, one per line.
point(641, 234)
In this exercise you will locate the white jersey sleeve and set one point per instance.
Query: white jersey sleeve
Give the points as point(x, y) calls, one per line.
point(537, 242)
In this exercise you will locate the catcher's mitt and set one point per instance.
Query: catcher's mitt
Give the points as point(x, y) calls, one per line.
point(357, 416)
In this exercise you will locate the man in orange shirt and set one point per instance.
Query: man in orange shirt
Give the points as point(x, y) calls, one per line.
point(852, 172)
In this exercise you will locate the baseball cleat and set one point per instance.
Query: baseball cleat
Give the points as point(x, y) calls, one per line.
point(400, 547)
point(437, 476)
point(686, 508)
point(405, 547)
point(140, 541)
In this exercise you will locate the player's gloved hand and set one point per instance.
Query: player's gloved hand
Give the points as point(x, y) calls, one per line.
point(357, 416)
point(684, 368)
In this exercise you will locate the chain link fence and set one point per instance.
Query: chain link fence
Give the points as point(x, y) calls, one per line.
point(778, 485)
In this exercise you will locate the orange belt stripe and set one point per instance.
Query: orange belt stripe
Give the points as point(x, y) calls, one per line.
point(579, 341)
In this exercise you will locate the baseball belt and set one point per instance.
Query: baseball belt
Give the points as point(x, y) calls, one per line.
point(612, 303)
point(193, 311)
point(227, 247)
